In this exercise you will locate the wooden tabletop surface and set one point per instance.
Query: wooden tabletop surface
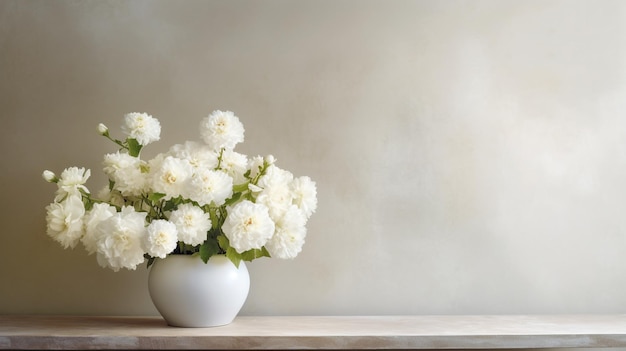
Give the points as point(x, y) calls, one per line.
point(317, 332)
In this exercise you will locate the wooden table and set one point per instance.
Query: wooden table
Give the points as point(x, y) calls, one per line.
point(329, 332)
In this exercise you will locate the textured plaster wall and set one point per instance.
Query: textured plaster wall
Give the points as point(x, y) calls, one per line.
point(470, 156)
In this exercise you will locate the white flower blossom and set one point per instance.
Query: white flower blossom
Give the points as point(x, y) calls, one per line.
point(97, 214)
point(71, 182)
point(112, 197)
point(304, 193)
point(270, 159)
point(208, 187)
point(276, 194)
point(155, 163)
point(171, 177)
point(114, 162)
point(222, 129)
point(65, 220)
point(119, 239)
point(192, 224)
point(277, 198)
point(255, 165)
point(248, 226)
point(161, 239)
point(102, 129)
point(235, 165)
point(254, 188)
point(142, 127)
point(49, 176)
point(179, 197)
point(275, 176)
point(288, 239)
point(127, 173)
point(200, 156)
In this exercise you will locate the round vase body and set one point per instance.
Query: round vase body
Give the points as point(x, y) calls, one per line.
point(189, 293)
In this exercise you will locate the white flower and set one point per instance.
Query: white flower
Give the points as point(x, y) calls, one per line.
point(102, 129)
point(127, 173)
point(275, 176)
point(199, 155)
point(156, 163)
point(65, 221)
point(208, 187)
point(97, 214)
point(49, 176)
point(235, 164)
point(142, 127)
point(119, 239)
point(276, 193)
point(114, 162)
point(254, 188)
point(277, 198)
point(112, 197)
point(288, 239)
point(161, 239)
point(255, 165)
point(222, 130)
point(192, 224)
point(248, 226)
point(171, 176)
point(180, 197)
point(270, 159)
point(304, 193)
point(72, 181)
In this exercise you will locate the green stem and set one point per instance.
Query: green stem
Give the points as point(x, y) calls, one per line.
point(219, 159)
point(118, 142)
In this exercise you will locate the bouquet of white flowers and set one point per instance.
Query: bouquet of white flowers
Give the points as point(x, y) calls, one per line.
point(198, 198)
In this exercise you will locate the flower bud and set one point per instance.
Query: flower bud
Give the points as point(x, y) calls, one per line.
point(49, 176)
point(102, 129)
point(270, 159)
point(254, 188)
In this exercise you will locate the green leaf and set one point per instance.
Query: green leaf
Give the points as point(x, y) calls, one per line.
point(240, 187)
point(154, 197)
point(169, 205)
point(231, 253)
point(233, 256)
point(233, 199)
point(254, 254)
point(134, 148)
point(208, 249)
point(224, 243)
point(214, 220)
point(88, 205)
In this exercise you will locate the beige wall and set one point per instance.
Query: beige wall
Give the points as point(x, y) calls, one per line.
point(470, 156)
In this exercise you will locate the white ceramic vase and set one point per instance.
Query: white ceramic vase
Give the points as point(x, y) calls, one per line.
point(189, 293)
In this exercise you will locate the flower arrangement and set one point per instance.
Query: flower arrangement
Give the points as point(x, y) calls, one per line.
point(198, 198)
